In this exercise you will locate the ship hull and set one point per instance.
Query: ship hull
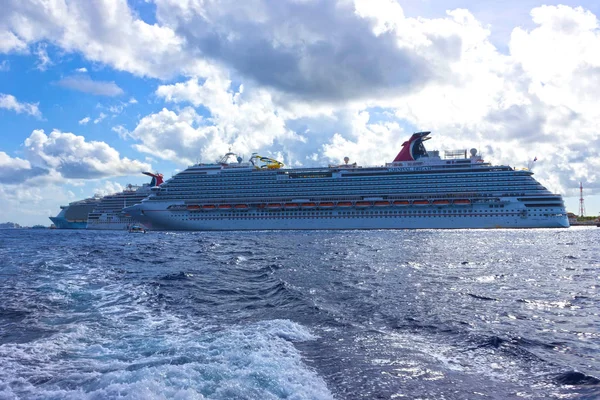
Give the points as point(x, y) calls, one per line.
point(156, 218)
point(61, 223)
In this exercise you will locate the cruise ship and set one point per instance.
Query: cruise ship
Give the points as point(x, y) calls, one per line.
point(74, 216)
point(419, 189)
point(107, 212)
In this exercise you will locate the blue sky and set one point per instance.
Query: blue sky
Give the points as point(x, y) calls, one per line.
point(91, 94)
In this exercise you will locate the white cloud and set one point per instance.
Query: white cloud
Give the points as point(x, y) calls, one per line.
point(10, 102)
point(83, 83)
point(82, 70)
point(17, 170)
point(244, 121)
point(121, 131)
point(4, 66)
point(29, 205)
point(84, 121)
point(100, 118)
point(11, 42)
point(105, 31)
point(43, 59)
point(109, 187)
point(75, 158)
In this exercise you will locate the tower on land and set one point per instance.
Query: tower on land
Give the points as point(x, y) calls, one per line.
point(581, 203)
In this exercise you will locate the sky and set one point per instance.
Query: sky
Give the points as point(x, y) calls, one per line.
point(92, 93)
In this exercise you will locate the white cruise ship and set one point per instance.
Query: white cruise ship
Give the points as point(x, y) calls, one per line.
point(419, 189)
point(107, 214)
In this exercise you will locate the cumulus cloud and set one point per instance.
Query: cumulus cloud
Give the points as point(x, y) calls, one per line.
point(247, 122)
point(75, 158)
point(105, 31)
point(319, 49)
point(109, 188)
point(10, 102)
point(84, 121)
point(84, 83)
point(17, 170)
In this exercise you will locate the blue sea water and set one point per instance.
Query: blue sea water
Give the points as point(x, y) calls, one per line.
point(440, 314)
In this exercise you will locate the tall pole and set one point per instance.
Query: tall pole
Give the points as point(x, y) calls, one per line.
point(581, 203)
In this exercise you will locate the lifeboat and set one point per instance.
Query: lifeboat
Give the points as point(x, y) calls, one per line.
point(224, 207)
point(462, 202)
point(421, 202)
point(326, 205)
point(308, 205)
point(208, 207)
point(193, 207)
point(240, 207)
point(274, 206)
point(441, 202)
point(363, 204)
point(344, 204)
point(290, 206)
point(382, 203)
point(401, 202)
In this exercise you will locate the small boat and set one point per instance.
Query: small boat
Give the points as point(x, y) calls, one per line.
point(363, 204)
point(209, 207)
point(308, 205)
point(224, 206)
point(462, 202)
point(240, 207)
point(274, 206)
point(326, 205)
point(401, 202)
point(441, 202)
point(193, 207)
point(382, 204)
point(421, 202)
point(344, 204)
point(290, 206)
point(136, 229)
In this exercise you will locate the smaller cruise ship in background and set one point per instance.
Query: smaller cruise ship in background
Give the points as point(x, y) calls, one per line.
point(107, 213)
point(75, 215)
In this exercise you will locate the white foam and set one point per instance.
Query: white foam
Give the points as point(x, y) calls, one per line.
point(163, 358)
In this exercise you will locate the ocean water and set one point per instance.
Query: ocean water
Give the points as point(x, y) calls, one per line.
point(440, 314)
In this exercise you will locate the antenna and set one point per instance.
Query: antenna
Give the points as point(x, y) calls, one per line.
point(581, 202)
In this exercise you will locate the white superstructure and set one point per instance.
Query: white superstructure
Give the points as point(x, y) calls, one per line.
point(417, 190)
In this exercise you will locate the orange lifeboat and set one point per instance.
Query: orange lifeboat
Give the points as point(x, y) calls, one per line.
point(224, 206)
point(208, 207)
point(326, 205)
point(421, 202)
point(363, 204)
point(441, 202)
point(382, 204)
point(462, 202)
point(274, 206)
point(308, 205)
point(401, 202)
point(290, 205)
point(241, 207)
point(344, 204)
point(193, 207)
